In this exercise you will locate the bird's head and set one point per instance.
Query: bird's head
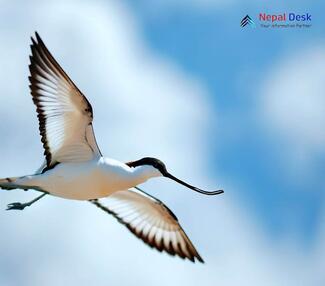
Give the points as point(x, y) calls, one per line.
point(159, 168)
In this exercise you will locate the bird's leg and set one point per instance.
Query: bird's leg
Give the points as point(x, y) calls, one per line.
point(20, 206)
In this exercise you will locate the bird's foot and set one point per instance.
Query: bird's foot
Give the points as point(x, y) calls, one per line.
point(17, 206)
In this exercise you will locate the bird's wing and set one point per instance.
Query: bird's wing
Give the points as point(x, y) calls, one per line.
point(64, 113)
point(150, 220)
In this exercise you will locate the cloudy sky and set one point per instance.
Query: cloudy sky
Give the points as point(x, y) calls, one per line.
point(222, 106)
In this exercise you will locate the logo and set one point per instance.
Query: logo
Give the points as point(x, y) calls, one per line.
point(285, 20)
point(247, 21)
point(284, 17)
point(279, 20)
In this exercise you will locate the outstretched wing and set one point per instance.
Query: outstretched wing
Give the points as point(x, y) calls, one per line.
point(150, 220)
point(64, 113)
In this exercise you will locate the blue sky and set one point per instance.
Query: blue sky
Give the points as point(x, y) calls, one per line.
point(211, 45)
point(222, 106)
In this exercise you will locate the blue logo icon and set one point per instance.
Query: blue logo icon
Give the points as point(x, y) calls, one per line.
point(247, 21)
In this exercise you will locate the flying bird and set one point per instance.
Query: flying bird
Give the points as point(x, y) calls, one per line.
point(74, 167)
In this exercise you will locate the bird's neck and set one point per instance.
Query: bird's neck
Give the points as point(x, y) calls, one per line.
point(145, 172)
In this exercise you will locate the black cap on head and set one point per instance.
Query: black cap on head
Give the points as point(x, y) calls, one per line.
point(156, 163)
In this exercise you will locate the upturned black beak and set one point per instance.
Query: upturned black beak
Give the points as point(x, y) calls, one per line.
point(210, 193)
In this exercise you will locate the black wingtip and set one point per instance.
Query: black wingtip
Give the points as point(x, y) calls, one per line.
point(33, 42)
point(36, 39)
point(194, 258)
point(199, 258)
point(37, 36)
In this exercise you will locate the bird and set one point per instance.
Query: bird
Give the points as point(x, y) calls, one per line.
point(74, 167)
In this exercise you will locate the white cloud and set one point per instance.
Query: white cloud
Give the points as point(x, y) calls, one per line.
point(293, 106)
point(194, 5)
point(158, 8)
point(144, 105)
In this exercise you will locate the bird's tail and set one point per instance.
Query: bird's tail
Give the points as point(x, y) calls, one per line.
point(13, 183)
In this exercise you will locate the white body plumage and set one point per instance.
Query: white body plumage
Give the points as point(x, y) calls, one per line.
point(93, 179)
